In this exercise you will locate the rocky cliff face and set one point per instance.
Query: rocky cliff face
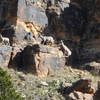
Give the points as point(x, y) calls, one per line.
point(21, 21)
point(89, 47)
point(76, 22)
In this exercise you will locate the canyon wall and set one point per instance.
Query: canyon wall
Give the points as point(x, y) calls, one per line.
point(76, 22)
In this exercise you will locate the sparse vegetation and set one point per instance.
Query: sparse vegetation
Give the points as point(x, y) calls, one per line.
point(7, 92)
point(31, 88)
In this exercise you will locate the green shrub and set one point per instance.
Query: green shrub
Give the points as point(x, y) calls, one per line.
point(7, 92)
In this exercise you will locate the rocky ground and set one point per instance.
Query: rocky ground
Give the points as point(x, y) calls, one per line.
point(34, 88)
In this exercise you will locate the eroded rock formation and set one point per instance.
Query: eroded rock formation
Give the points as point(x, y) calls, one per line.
point(79, 90)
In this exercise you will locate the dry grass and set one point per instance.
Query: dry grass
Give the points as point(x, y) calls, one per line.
point(31, 87)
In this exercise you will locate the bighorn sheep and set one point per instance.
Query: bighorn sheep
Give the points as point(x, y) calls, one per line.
point(47, 39)
point(4, 40)
point(65, 49)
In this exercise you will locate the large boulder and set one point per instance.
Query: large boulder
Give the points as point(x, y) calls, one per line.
point(82, 85)
point(40, 59)
point(79, 90)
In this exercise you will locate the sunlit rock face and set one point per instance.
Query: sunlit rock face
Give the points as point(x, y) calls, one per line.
point(21, 17)
point(31, 17)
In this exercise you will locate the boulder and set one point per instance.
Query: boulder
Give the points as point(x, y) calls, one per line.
point(40, 59)
point(79, 90)
point(80, 96)
point(5, 54)
point(84, 86)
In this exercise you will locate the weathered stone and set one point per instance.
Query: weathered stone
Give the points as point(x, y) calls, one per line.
point(76, 96)
point(29, 14)
point(5, 53)
point(72, 97)
point(80, 96)
point(88, 97)
point(40, 59)
point(84, 86)
point(79, 90)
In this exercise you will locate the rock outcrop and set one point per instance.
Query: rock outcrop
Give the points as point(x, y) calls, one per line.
point(79, 90)
point(41, 59)
point(5, 53)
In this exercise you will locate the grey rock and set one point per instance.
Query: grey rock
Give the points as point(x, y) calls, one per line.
point(29, 13)
point(41, 59)
point(63, 4)
point(5, 53)
point(29, 36)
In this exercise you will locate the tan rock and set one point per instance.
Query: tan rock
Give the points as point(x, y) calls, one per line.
point(42, 60)
point(84, 86)
point(72, 97)
point(78, 95)
point(88, 97)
